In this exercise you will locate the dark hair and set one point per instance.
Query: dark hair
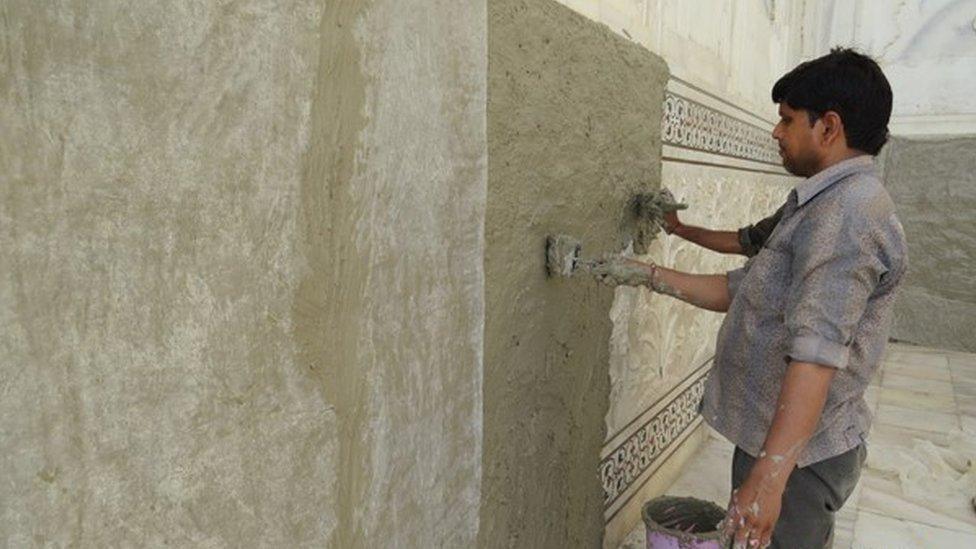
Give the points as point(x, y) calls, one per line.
point(848, 83)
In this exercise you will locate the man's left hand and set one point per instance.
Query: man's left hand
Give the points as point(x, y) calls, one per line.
point(754, 509)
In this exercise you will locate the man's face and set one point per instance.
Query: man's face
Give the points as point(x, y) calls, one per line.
point(798, 146)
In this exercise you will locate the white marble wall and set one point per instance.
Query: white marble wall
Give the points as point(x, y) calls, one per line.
point(734, 48)
point(927, 48)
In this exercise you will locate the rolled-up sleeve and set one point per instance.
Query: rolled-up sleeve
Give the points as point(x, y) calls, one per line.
point(836, 267)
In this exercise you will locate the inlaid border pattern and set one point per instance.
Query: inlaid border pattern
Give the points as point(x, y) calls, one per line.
point(620, 469)
point(691, 125)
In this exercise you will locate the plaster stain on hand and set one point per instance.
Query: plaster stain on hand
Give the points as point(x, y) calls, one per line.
point(754, 508)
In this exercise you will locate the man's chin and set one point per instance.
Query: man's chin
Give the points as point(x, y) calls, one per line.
point(794, 169)
point(788, 166)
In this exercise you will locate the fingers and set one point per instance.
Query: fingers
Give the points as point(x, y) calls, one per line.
point(751, 534)
point(620, 270)
point(729, 524)
point(601, 271)
point(744, 528)
point(749, 537)
point(741, 538)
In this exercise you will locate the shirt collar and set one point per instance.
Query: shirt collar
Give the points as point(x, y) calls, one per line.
point(815, 184)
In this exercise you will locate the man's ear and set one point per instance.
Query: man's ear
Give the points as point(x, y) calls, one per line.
point(833, 127)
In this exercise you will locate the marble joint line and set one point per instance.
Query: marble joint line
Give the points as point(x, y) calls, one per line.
point(627, 463)
point(691, 125)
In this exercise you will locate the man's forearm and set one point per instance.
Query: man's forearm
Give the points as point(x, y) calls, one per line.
point(756, 504)
point(801, 402)
point(726, 242)
point(706, 291)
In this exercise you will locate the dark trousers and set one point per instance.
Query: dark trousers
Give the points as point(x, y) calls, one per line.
point(813, 494)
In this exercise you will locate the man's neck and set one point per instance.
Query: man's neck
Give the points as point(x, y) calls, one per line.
point(836, 157)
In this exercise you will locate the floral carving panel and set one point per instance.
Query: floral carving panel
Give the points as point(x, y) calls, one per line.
point(689, 124)
point(620, 469)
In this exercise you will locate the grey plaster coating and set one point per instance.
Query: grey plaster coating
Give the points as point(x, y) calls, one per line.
point(574, 116)
point(933, 183)
point(151, 163)
point(220, 322)
point(394, 234)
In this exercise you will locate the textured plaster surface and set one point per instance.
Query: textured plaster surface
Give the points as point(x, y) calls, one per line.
point(151, 165)
point(657, 340)
point(933, 184)
point(396, 231)
point(242, 280)
point(574, 116)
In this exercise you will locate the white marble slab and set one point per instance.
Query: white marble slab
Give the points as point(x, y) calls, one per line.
point(963, 368)
point(966, 405)
point(966, 388)
point(916, 419)
point(882, 435)
point(933, 386)
point(875, 531)
point(939, 372)
point(883, 494)
point(915, 400)
point(903, 355)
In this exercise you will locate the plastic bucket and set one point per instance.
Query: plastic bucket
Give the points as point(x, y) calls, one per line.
point(682, 523)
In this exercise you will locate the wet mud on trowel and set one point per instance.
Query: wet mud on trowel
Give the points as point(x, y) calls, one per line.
point(563, 256)
point(646, 216)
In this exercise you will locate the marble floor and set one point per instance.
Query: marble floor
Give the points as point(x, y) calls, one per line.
point(917, 486)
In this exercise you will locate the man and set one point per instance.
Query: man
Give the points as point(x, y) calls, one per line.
point(808, 315)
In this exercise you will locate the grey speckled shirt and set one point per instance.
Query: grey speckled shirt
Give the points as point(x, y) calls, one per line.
point(820, 290)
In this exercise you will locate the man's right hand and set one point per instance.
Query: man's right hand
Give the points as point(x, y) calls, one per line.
point(671, 222)
point(618, 270)
point(669, 208)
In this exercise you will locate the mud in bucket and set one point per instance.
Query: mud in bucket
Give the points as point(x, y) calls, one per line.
point(682, 523)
